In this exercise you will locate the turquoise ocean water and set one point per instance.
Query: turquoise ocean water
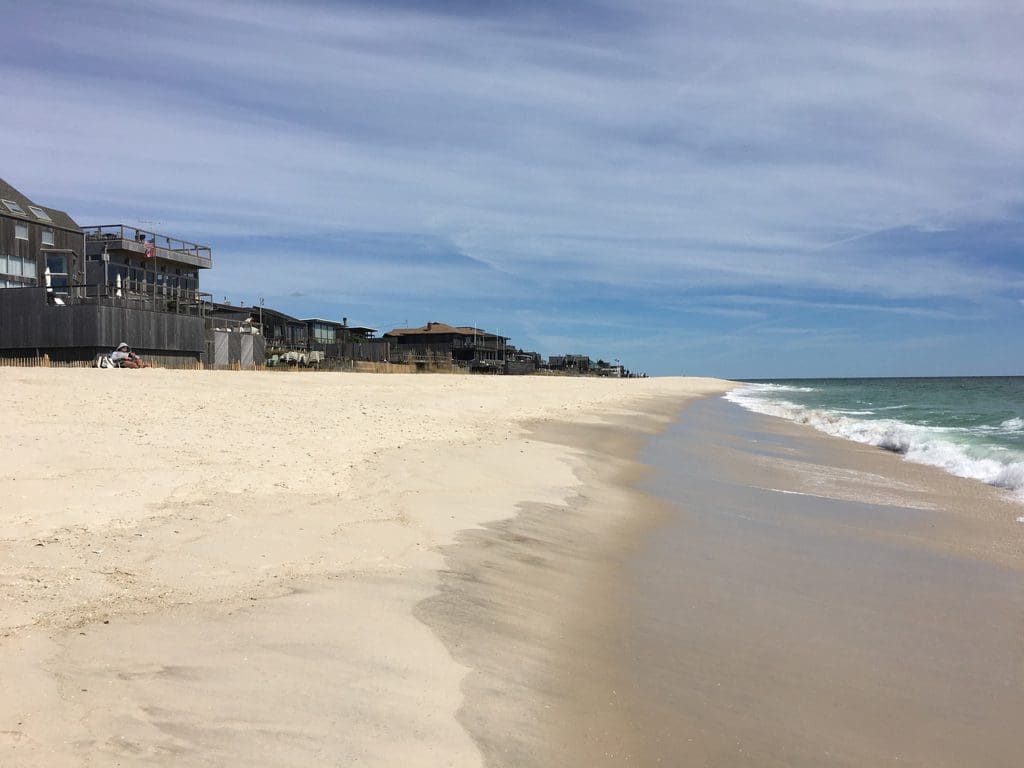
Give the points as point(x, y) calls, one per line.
point(970, 427)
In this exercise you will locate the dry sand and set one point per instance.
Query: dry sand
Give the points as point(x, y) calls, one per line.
point(206, 568)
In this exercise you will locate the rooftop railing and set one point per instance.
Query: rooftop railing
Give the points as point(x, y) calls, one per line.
point(124, 232)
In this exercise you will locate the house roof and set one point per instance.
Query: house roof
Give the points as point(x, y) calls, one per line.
point(340, 326)
point(434, 328)
point(276, 313)
point(240, 309)
point(57, 218)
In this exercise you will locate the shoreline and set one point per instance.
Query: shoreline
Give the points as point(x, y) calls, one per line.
point(814, 601)
point(543, 585)
point(232, 571)
point(968, 515)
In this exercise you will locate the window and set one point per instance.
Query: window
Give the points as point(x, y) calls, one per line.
point(58, 266)
point(323, 333)
point(40, 213)
point(15, 266)
point(13, 207)
point(20, 231)
point(47, 236)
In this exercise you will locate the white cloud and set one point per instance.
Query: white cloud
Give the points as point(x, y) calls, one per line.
point(746, 146)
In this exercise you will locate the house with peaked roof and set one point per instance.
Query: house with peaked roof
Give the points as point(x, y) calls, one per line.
point(35, 239)
point(463, 345)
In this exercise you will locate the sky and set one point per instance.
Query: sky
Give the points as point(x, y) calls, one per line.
point(785, 189)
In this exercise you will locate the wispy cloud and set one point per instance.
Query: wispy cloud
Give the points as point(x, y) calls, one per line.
point(824, 155)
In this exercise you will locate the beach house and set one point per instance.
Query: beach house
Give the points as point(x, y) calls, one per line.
point(35, 240)
point(569, 363)
point(71, 292)
point(341, 341)
point(440, 343)
point(314, 340)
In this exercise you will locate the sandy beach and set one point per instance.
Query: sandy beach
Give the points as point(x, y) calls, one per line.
point(285, 569)
point(205, 568)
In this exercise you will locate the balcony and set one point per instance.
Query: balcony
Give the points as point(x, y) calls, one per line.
point(138, 295)
point(146, 244)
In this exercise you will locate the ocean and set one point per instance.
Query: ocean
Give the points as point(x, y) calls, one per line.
point(968, 426)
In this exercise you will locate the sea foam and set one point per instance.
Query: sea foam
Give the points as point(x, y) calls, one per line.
point(935, 446)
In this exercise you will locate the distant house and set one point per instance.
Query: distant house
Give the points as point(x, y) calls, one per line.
point(312, 340)
point(71, 292)
point(435, 342)
point(520, 361)
point(609, 370)
point(343, 342)
point(321, 331)
point(324, 332)
point(283, 332)
point(570, 363)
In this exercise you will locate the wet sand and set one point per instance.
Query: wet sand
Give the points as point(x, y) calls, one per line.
point(808, 601)
point(532, 605)
point(741, 592)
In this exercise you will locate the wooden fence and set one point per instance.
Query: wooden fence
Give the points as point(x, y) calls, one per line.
point(42, 362)
point(356, 367)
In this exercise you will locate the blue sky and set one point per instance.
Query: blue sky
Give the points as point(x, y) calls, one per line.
point(791, 188)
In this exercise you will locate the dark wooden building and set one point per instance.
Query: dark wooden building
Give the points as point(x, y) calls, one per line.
point(520, 361)
point(569, 363)
point(283, 332)
point(144, 262)
point(312, 341)
point(344, 342)
point(433, 343)
point(72, 293)
point(36, 240)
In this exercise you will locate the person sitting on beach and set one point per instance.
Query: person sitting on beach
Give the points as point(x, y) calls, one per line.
point(123, 357)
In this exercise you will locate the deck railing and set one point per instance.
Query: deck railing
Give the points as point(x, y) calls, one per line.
point(138, 294)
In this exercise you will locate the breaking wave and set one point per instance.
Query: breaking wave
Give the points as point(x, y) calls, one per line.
point(935, 446)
